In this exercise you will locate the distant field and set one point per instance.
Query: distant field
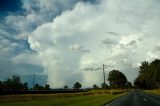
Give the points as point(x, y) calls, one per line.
point(93, 98)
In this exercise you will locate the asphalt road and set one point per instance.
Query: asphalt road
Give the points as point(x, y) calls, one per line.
point(136, 98)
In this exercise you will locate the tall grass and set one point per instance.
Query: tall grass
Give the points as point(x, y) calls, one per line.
point(155, 91)
point(85, 100)
point(94, 97)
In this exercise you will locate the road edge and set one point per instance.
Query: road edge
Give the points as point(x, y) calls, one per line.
point(114, 100)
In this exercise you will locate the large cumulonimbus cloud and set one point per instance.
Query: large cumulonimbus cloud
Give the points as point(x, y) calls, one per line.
point(117, 33)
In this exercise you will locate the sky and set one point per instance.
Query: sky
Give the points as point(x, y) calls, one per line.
point(65, 41)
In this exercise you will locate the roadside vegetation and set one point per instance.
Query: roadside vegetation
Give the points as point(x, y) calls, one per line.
point(149, 75)
point(155, 91)
point(93, 98)
point(117, 80)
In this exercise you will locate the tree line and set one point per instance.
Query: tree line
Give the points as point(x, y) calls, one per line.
point(149, 75)
point(14, 84)
point(148, 78)
point(116, 78)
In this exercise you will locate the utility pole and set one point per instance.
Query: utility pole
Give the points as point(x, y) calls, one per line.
point(34, 76)
point(104, 74)
point(104, 79)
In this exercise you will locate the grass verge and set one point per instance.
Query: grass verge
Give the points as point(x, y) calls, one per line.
point(155, 91)
point(50, 100)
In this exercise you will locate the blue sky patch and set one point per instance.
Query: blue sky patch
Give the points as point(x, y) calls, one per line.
point(9, 6)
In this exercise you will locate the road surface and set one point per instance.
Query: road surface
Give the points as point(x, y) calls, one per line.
point(136, 98)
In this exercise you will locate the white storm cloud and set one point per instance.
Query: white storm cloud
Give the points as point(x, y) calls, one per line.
point(34, 14)
point(131, 27)
point(27, 58)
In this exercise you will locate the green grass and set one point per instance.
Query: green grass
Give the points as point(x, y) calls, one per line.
point(93, 98)
point(85, 100)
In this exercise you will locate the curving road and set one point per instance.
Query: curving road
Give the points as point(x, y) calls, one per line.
point(136, 98)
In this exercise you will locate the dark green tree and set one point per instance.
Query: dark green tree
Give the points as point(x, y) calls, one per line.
point(77, 85)
point(47, 87)
point(104, 86)
point(117, 79)
point(141, 81)
point(66, 87)
point(144, 67)
point(95, 86)
point(1, 86)
point(129, 85)
point(7, 85)
point(148, 77)
point(16, 83)
point(13, 84)
point(25, 86)
point(38, 87)
point(154, 74)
